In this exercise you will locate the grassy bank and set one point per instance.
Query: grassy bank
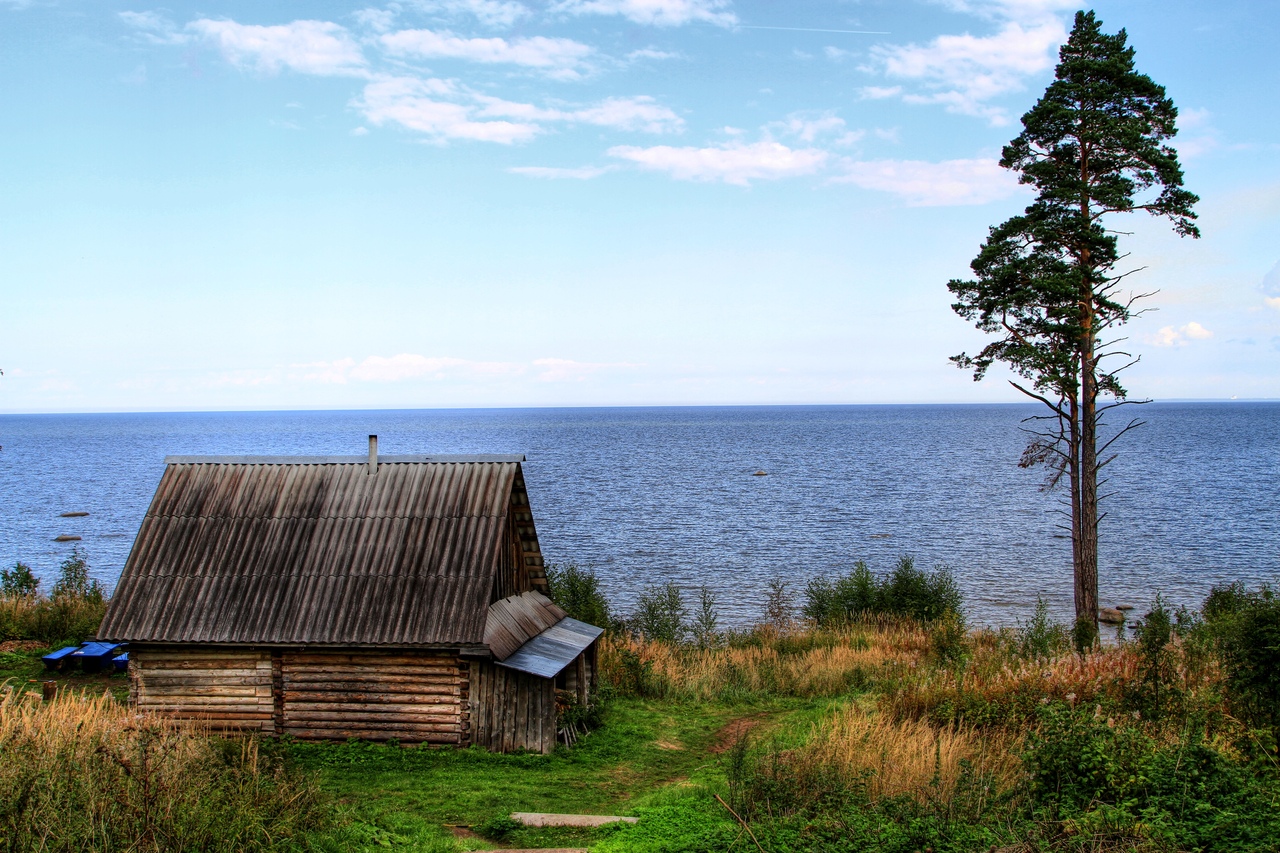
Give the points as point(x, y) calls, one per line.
point(863, 716)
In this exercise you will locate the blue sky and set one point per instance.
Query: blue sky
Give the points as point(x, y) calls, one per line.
point(581, 202)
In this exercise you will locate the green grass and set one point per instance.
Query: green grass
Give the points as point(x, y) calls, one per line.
point(647, 755)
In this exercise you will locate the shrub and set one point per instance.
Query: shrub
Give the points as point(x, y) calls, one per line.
point(661, 615)
point(705, 620)
point(1245, 628)
point(73, 579)
point(577, 590)
point(71, 614)
point(1040, 638)
point(906, 591)
point(1113, 785)
point(18, 582)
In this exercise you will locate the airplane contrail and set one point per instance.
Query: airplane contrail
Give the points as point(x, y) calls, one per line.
point(812, 30)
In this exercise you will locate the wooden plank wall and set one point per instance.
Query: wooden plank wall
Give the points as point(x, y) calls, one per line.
point(414, 697)
point(511, 710)
point(229, 688)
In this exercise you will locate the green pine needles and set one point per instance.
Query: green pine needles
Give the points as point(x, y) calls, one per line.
point(1047, 284)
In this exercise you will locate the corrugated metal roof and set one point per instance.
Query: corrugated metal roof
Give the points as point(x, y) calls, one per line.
point(512, 621)
point(283, 551)
point(553, 649)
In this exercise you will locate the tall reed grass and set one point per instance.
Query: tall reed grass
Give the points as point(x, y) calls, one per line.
point(64, 618)
point(763, 662)
point(83, 773)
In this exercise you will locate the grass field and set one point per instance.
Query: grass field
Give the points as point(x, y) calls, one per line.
point(890, 735)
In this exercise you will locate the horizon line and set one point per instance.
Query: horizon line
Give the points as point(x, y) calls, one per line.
point(232, 411)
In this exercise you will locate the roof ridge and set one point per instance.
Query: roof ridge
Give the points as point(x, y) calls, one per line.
point(456, 458)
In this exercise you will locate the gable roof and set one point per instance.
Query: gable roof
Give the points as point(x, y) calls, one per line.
point(316, 550)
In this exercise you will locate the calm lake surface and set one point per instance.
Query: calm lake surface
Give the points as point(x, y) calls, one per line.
point(647, 495)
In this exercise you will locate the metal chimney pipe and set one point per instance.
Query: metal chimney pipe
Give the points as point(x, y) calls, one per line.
point(373, 454)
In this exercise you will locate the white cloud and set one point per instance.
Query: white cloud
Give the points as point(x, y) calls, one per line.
point(444, 110)
point(417, 105)
point(308, 47)
point(733, 163)
point(581, 173)
point(491, 13)
point(924, 184)
point(559, 57)
point(808, 126)
point(1179, 337)
point(154, 27)
point(378, 20)
point(651, 53)
point(658, 13)
point(640, 112)
point(964, 72)
point(878, 93)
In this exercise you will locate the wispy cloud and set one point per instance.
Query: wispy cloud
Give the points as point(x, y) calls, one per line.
point(558, 57)
point(427, 106)
point(1179, 337)
point(308, 47)
point(491, 13)
point(733, 163)
point(810, 126)
point(658, 13)
point(925, 184)
point(445, 109)
point(965, 73)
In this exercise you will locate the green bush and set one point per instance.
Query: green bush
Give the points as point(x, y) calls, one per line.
point(906, 591)
point(661, 615)
point(577, 590)
point(71, 614)
point(1244, 626)
point(1110, 784)
point(18, 582)
point(1040, 638)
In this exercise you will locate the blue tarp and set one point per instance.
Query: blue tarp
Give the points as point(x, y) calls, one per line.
point(55, 660)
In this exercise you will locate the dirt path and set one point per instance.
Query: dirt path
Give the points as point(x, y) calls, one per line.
point(735, 730)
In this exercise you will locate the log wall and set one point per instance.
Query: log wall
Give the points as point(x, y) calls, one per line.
point(229, 688)
point(414, 697)
point(511, 710)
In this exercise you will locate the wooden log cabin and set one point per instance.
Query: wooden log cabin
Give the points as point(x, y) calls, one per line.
point(332, 597)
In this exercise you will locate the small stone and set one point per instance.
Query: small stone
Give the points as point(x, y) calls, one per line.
point(760, 474)
point(73, 515)
point(1110, 616)
point(1124, 607)
point(66, 538)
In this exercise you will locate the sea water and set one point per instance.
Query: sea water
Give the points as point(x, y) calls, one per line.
point(650, 495)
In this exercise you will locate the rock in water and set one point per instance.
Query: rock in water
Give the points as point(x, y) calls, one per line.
point(1111, 615)
point(760, 474)
point(73, 515)
point(65, 538)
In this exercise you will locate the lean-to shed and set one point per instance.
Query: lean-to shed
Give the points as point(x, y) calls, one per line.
point(333, 597)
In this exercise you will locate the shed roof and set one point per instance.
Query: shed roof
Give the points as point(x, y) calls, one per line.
point(315, 550)
point(553, 649)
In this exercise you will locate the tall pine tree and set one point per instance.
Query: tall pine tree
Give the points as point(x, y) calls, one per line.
point(1046, 281)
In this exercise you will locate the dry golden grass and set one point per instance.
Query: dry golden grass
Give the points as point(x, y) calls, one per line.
point(803, 663)
point(911, 757)
point(84, 772)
